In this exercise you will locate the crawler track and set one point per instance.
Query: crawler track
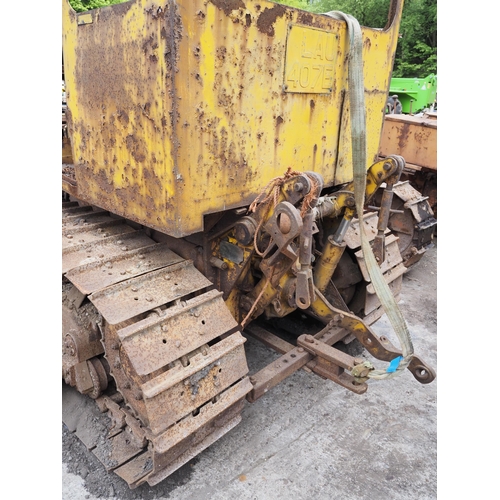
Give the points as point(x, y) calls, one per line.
point(148, 337)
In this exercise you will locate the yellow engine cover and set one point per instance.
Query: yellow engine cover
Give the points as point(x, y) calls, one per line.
point(183, 108)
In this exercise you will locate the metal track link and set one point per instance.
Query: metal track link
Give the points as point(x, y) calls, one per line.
point(173, 348)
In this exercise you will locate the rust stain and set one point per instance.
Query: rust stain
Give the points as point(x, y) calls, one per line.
point(305, 18)
point(136, 148)
point(123, 118)
point(312, 105)
point(228, 5)
point(315, 21)
point(403, 136)
point(172, 58)
point(267, 19)
point(121, 9)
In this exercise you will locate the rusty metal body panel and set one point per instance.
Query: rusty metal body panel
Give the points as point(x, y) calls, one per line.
point(413, 137)
point(185, 108)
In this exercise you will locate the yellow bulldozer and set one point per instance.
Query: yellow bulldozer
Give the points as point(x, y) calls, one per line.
point(224, 182)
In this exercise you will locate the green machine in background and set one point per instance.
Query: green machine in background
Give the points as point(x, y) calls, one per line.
point(414, 94)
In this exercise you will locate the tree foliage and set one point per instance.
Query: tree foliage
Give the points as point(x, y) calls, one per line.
point(83, 5)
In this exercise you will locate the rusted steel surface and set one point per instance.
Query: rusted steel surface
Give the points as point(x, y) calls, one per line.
point(193, 434)
point(290, 362)
point(413, 137)
point(143, 293)
point(173, 437)
point(91, 277)
point(353, 237)
point(157, 341)
point(323, 350)
point(174, 396)
point(390, 266)
point(116, 451)
point(414, 201)
point(188, 395)
point(414, 223)
point(81, 342)
point(277, 371)
point(380, 347)
point(329, 370)
point(136, 469)
point(86, 253)
point(394, 278)
point(81, 235)
point(183, 104)
point(330, 363)
point(178, 359)
point(392, 257)
point(99, 227)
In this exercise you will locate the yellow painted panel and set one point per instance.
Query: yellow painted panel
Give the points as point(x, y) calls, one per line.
point(310, 60)
point(178, 109)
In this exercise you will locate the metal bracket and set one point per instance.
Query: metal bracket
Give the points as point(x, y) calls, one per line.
point(299, 357)
point(380, 347)
point(331, 363)
point(284, 226)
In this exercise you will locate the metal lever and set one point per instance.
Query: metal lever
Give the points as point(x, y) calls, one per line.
point(385, 211)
